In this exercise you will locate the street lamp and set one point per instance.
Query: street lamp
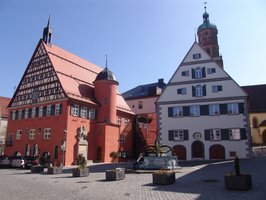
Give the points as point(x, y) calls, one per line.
point(63, 146)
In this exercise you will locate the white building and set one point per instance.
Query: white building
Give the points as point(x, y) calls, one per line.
point(202, 112)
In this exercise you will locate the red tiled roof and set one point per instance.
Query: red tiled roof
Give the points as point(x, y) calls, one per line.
point(77, 76)
point(4, 101)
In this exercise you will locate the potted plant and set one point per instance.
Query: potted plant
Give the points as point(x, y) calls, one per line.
point(56, 168)
point(115, 174)
point(237, 180)
point(163, 177)
point(81, 170)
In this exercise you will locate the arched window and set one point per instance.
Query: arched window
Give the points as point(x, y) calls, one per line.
point(199, 91)
point(35, 150)
point(198, 73)
point(255, 122)
point(56, 152)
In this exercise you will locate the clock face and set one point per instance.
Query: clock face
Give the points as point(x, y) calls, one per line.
point(197, 136)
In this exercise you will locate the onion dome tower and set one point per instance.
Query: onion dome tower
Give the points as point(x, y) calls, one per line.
point(207, 37)
point(105, 89)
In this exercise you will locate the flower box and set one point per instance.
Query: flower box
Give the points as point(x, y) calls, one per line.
point(80, 172)
point(163, 178)
point(54, 170)
point(115, 174)
point(240, 182)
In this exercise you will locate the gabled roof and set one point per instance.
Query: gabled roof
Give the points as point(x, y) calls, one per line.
point(148, 90)
point(257, 97)
point(4, 101)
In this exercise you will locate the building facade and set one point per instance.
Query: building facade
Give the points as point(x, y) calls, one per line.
point(65, 106)
point(203, 112)
point(141, 100)
point(257, 113)
point(4, 101)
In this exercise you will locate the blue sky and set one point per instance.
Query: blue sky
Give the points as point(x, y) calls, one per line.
point(145, 39)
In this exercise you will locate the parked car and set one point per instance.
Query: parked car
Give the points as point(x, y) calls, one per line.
point(30, 161)
point(4, 161)
point(17, 161)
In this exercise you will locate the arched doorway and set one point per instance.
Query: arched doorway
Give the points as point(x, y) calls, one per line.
point(217, 151)
point(264, 136)
point(180, 152)
point(197, 149)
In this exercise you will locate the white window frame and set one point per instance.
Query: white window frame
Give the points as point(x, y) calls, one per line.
point(214, 109)
point(119, 120)
point(92, 114)
point(48, 110)
point(40, 111)
point(183, 91)
point(178, 135)
point(32, 134)
point(198, 73)
point(234, 134)
point(194, 110)
point(198, 91)
point(13, 115)
point(126, 121)
point(26, 113)
point(215, 134)
point(47, 133)
point(33, 112)
point(177, 111)
point(57, 109)
point(185, 73)
point(232, 108)
point(18, 134)
point(83, 112)
point(75, 110)
point(20, 114)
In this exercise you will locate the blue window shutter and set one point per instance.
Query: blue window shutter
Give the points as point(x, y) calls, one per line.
point(193, 91)
point(193, 73)
point(223, 109)
point(225, 134)
point(243, 134)
point(203, 72)
point(186, 111)
point(204, 110)
point(207, 134)
point(241, 108)
point(204, 90)
point(170, 111)
point(170, 135)
point(185, 134)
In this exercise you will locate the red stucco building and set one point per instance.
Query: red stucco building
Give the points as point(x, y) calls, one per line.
point(64, 106)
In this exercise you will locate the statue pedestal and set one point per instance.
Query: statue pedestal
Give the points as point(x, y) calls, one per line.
point(163, 162)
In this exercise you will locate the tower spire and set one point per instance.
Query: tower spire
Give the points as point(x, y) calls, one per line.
point(106, 58)
point(47, 33)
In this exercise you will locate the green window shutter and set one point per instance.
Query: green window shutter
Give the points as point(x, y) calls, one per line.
point(170, 111)
point(243, 134)
point(225, 134)
point(203, 72)
point(185, 134)
point(53, 110)
point(207, 134)
point(223, 109)
point(193, 73)
point(204, 90)
point(241, 108)
point(186, 111)
point(170, 135)
point(204, 110)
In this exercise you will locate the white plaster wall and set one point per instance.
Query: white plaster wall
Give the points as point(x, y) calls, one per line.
point(148, 105)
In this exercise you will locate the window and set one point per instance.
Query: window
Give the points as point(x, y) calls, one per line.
point(185, 73)
point(122, 139)
point(182, 91)
point(126, 121)
point(214, 109)
point(33, 112)
point(215, 134)
point(217, 88)
point(13, 115)
point(177, 111)
point(19, 114)
point(211, 70)
point(140, 104)
point(48, 110)
point(196, 56)
point(198, 73)
point(199, 91)
point(83, 112)
point(234, 134)
point(75, 110)
point(255, 122)
point(18, 134)
point(40, 111)
point(32, 134)
point(47, 133)
point(91, 114)
point(232, 108)
point(119, 120)
point(178, 135)
point(194, 110)
point(58, 109)
point(26, 113)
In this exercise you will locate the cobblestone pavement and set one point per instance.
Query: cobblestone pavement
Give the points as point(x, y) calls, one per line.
point(202, 181)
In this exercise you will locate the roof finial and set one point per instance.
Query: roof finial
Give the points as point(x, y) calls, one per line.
point(195, 33)
point(205, 3)
point(106, 57)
